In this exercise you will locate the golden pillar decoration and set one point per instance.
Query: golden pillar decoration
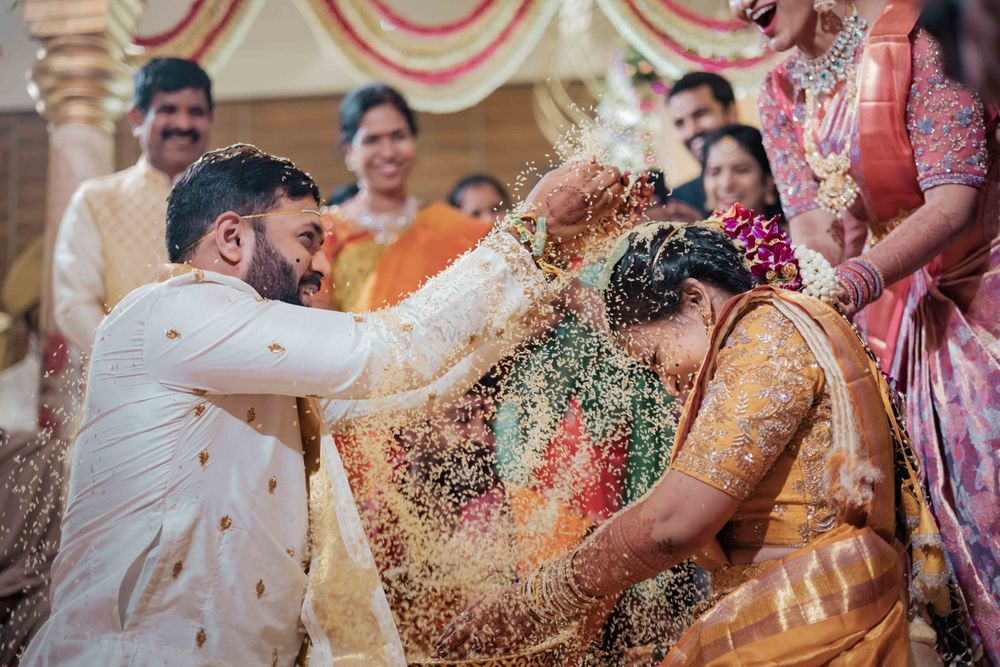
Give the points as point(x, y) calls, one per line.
point(81, 85)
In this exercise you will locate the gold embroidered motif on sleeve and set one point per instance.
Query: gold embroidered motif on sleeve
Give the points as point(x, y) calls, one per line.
point(763, 432)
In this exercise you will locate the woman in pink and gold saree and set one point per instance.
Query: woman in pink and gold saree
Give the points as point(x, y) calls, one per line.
point(791, 481)
point(889, 168)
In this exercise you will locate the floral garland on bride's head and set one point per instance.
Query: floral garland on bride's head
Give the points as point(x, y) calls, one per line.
point(771, 256)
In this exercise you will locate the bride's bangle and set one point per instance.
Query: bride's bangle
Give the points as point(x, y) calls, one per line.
point(553, 594)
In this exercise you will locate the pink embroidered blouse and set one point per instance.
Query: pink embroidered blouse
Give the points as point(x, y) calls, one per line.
point(944, 120)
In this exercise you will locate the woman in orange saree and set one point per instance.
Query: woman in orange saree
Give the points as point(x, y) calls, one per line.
point(381, 243)
point(791, 480)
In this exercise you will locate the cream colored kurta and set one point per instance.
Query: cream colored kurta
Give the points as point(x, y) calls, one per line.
point(110, 241)
point(185, 535)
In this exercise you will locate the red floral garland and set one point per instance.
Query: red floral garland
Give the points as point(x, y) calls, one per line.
point(440, 77)
point(703, 21)
point(219, 28)
point(164, 37)
point(710, 64)
point(444, 29)
point(193, 14)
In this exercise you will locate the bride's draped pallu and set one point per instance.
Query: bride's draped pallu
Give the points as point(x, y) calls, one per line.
point(792, 417)
point(937, 331)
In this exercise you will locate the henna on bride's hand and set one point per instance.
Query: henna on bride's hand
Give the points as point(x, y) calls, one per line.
point(624, 553)
point(490, 626)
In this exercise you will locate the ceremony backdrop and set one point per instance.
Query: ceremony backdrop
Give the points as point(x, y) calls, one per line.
point(503, 78)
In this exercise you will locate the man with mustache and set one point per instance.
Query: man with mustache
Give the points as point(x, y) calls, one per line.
point(186, 534)
point(110, 240)
point(699, 102)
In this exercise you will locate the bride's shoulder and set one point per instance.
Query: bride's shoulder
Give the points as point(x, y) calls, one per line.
point(763, 327)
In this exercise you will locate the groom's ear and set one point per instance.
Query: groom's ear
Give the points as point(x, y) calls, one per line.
point(232, 238)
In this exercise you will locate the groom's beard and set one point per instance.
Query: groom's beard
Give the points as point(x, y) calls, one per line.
point(271, 275)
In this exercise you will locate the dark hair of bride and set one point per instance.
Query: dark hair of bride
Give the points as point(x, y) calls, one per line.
point(645, 284)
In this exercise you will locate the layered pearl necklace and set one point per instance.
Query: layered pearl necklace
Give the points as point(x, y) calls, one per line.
point(386, 226)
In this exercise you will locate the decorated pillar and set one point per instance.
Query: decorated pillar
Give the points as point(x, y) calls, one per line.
point(81, 84)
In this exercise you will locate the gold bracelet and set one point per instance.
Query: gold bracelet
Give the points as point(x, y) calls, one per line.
point(536, 242)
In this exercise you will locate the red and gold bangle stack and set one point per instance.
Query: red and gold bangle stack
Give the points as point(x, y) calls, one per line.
point(862, 279)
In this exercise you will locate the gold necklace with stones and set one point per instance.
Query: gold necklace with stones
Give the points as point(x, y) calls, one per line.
point(837, 188)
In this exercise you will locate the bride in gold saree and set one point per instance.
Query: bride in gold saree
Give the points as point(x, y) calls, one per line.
point(791, 482)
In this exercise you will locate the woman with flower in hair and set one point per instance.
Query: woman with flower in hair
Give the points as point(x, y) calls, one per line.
point(791, 478)
point(885, 165)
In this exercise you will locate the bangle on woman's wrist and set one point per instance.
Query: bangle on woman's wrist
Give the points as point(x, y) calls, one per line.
point(863, 279)
point(554, 595)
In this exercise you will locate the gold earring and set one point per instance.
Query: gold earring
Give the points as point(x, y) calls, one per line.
point(706, 317)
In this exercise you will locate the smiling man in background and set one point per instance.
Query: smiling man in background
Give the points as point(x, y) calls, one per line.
point(699, 103)
point(110, 239)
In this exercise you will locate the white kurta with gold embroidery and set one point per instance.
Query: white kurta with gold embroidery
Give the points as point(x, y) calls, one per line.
point(185, 534)
point(110, 241)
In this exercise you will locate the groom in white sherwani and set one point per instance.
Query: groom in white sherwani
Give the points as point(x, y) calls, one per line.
point(185, 540)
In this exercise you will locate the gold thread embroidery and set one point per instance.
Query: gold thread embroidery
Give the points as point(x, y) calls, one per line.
point(272, 485)
point(203, 457)
point(173, 334)
point(178, 566)
point(225, 522)
point(763, 432)
point(200, 637)
point(199, 410)
point(260, 588)
point(276, 348)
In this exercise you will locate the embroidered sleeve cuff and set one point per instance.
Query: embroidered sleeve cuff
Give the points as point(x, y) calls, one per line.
point(705, 471)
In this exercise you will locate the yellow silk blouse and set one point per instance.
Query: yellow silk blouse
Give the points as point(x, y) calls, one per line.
point(763, 433)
